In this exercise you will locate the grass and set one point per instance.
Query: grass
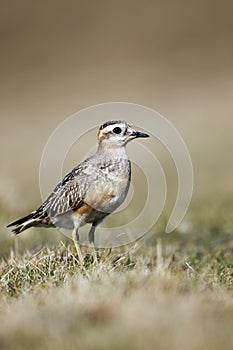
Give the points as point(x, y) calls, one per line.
point(169, 291)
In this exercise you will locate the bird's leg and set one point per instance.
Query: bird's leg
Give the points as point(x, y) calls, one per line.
point(91, 234)
point(91, 237)
point(75, 237)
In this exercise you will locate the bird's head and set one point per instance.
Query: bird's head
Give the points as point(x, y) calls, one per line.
point(117, 133)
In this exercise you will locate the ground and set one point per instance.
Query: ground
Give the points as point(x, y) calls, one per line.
point(165, 291)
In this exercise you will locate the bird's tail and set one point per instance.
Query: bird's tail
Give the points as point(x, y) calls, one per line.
point(24, 223)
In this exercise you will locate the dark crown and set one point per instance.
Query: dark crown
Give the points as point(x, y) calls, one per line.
point(111, 122)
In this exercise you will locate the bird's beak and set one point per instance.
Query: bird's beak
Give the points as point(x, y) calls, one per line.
point(135, 134)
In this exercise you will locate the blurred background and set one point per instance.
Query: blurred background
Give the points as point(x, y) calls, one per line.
point(58, 57)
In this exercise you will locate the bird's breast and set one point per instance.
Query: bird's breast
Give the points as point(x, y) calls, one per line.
point(108, 193)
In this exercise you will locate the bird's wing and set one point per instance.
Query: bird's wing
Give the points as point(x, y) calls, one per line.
point(69, 194)
point(62, 200)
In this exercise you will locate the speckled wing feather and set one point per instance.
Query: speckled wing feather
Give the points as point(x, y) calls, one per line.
point(67, 196)
point(69, 193)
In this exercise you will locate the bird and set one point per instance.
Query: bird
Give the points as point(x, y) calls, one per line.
point(92, 190)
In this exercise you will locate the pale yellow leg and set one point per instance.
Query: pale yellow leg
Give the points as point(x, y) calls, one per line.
point(95, 260)
point(77, 246)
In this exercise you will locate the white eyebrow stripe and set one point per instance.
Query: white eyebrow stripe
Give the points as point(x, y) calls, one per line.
point(112, 126)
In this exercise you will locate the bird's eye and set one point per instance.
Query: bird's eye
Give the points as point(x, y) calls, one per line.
point(117, 130)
